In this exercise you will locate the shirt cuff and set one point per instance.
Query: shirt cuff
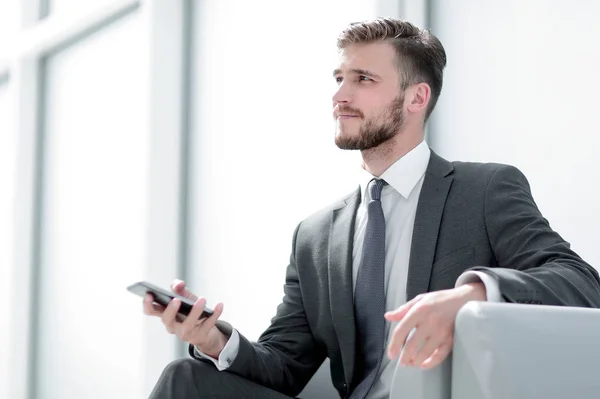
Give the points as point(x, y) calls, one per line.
point(492, 289)
point(228, 354)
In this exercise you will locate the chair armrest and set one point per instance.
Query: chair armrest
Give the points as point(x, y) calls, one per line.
point(414, 383)
point(515, 351)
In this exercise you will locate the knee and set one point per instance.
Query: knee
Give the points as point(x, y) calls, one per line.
point(182, 379)
point(186, 368)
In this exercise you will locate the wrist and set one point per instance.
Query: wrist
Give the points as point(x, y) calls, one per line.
point(216, 345)
point(474, 291)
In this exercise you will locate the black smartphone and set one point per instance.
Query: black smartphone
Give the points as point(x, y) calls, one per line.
point(164, 297)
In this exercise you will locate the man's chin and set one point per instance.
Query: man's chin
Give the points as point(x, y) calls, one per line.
point(351, 143)
point(346, 146)
point(346, 143)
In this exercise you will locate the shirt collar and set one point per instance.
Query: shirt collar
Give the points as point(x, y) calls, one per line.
point(404, 174)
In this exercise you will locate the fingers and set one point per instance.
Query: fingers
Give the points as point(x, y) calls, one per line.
point(396, 342)
point(169, 315)
point(195, 330)
point(151, 308)
point(408, 322)
point(416, 339)
point(438, 356)
point(178, 287)
point(210, 322)
point(192, 319)
point(158, 308)
point(187, 330)
point(424, 352)
point(400, 313)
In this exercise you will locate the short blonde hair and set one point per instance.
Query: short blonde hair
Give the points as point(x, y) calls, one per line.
point(420, 55)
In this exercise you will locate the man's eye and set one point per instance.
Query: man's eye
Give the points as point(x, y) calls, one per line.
point(364, 78)
point(338, 79)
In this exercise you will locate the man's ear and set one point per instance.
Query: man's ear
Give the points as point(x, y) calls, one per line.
point(417, 98)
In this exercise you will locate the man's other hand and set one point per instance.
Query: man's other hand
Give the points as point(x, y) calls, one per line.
point(432, 316)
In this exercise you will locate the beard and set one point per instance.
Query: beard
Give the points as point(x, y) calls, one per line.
point(374, 131)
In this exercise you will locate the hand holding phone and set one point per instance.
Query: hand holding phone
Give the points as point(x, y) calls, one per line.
point(199, 330)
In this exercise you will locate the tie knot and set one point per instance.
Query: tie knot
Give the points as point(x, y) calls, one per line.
point(375, 187)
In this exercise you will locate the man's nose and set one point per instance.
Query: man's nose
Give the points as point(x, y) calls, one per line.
point(342, 95)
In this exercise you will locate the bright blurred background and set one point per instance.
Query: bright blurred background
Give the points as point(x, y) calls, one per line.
point(154, 139)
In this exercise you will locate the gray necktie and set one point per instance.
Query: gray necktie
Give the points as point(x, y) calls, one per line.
point(369, 296)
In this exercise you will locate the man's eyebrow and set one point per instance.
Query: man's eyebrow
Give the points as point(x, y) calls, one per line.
point(358, 72)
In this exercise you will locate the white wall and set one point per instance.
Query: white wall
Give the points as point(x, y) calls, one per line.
point(521, 87)
point(262, 144)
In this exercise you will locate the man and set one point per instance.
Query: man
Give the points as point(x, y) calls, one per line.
point(418, 240)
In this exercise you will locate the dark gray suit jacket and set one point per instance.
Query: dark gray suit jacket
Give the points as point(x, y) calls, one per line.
point(470, 216)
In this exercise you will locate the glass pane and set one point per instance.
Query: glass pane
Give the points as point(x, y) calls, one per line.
point(74, 6)
point(8, 149)
point(94, 214)
point(263, 144)
point(9, 24)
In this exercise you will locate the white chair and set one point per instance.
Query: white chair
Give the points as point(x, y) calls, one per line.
point(513, 351)
point(504, 351)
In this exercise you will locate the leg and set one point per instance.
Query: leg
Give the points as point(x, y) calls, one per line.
point(193, 379)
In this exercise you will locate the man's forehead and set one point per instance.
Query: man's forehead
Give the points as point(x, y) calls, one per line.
point(378, 58)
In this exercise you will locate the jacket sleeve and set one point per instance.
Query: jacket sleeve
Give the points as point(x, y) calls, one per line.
point(535, 264)
point(286, 355)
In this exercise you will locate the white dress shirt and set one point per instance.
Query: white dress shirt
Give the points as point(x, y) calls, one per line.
point(399, 202)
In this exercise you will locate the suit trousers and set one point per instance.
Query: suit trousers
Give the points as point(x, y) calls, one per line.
point(193, 379)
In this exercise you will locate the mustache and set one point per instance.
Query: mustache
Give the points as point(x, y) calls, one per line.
point(347, 110)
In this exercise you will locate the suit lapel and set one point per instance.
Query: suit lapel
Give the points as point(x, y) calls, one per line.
point(430, 208)
point(341, 296)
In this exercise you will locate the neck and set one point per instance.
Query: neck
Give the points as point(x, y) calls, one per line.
point(378, 159)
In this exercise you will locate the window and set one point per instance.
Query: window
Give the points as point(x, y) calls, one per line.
point(93, 217)
point(8, 149)
point(263, 151)
point(9, 18)
point(63, 7)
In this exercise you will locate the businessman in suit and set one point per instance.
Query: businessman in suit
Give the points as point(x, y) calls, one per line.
point(404, 252)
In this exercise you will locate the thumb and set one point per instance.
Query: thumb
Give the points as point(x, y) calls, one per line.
point(178, 287)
